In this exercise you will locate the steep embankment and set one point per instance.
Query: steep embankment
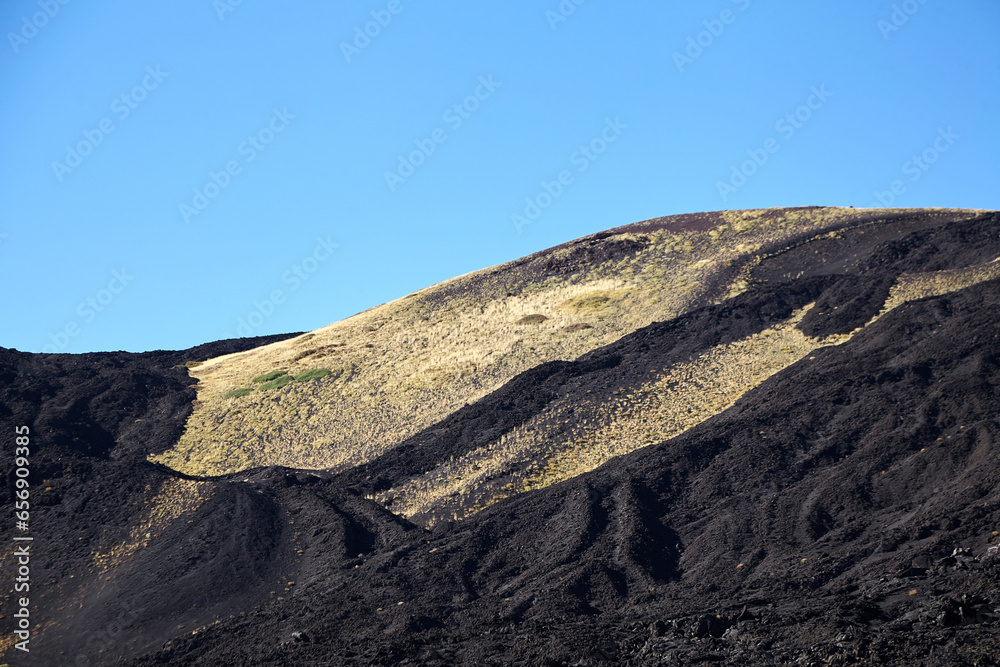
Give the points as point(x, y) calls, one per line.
point(403, 366)
point(563, 419)
point(797, 464)
point(844, 511)
point(108, 546)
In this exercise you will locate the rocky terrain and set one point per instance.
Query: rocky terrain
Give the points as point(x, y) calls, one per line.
point(752, 438)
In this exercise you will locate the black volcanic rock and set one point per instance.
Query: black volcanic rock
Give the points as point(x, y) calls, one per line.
point(843, 512)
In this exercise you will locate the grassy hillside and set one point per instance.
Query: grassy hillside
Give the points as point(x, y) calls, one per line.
point(403, 366)
point(796, 444)
point(573, 436)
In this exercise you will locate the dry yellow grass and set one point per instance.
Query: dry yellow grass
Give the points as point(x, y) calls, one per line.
point(405, 365)
point(7, 643)
point(681, 397)
point(174, 498)
point(914, 286)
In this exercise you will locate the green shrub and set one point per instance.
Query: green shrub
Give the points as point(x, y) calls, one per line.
point(267, 377)
point(588, 303)
point(278, 382)
point(314, 374)
point(236, 393)
point(532, 319)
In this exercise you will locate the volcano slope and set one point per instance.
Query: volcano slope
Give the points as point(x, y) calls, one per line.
point(799, 466)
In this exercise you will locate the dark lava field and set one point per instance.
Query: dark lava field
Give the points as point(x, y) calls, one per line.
point(843, 512)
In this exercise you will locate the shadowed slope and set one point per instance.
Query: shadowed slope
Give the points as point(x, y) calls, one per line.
point(559, 420)
point(771, 499)
point(403, 366)
point(97, 506)
point(818, 517)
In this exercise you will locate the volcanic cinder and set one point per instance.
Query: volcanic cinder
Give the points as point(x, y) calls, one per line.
point(748, 437)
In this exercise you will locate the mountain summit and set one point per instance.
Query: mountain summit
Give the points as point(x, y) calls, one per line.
point(747, 437)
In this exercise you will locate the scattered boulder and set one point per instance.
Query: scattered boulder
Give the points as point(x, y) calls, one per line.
point(712, 625)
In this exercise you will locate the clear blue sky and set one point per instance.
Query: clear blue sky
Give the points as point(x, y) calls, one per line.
point(309, 130)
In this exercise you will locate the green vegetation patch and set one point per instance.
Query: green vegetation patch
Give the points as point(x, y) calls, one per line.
point(278, 382)
point(314, 374)
point(267, 377)
point(592, 302)
point(532, 319)
point(236, 393)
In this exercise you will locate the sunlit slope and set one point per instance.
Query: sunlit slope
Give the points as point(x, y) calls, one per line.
point(405, 365)
point(575, 434)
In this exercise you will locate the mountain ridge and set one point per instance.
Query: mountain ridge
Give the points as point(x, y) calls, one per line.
point(798, 467)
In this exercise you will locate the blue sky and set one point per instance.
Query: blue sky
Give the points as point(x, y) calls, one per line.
point(178, 172)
